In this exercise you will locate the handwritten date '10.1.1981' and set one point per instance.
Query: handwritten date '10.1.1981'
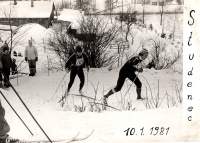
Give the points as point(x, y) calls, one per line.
point(152, 131)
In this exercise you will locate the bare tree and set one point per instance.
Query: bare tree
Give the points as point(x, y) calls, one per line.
point(105, 32)
point(143, 11)
point(177, 26)
point(130, 19)
point(63, 46)
point(161, 4)
point(174, 25)
point(15, 37)
point(95, 35)
point(133, 34)
point(160, 56)
point(64, 4)
point(84, 5)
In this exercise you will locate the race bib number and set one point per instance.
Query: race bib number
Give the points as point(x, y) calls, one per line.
point(79, 62)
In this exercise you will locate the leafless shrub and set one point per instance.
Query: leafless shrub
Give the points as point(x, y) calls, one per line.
point(162, 54)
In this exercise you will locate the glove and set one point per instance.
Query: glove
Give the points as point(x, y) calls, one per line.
point(1, 66)
point(140, 70)
point(88, 68)
point(26, 59)
point(67, 70)
point(36, 59)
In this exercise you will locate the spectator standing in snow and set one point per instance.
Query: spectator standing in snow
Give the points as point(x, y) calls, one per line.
point(31, 55)
point(14, 67)
point(5, 128)
point(1, 79)
point(1, 67)
point(6, 65)
point(128, 71)
point(76, 63)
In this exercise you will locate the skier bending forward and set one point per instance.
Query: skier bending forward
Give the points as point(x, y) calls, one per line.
point(128, 71)
point(76, 64)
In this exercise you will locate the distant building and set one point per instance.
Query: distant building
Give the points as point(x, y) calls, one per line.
point(40, 12)
point(68, 17)
point(143, 1)
point(165, 2)
point(159, 2)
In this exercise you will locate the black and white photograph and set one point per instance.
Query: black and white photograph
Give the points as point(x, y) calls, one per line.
point(99, 71)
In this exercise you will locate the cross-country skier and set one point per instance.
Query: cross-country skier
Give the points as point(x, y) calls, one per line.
point(76, 63)
point(5, 128)
point(128, 71)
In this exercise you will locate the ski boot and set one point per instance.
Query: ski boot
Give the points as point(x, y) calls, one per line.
point(8, 139)
point(81, 92)
point(138, 90)
point(6, 85)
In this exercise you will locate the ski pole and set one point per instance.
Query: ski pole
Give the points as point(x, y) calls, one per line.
point(26, 106)
point(20, 64)
point(16, 113)
point(87, 82)
point(59, 85)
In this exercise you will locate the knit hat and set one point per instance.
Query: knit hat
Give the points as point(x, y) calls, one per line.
point(143, 52)
point(5, 48)
point(78, 49)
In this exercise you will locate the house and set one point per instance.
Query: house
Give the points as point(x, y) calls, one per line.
point(68, 17)
point(158, 2)
point(142, 1)
point(165, 2)
point(40, 12)
point(172, 2)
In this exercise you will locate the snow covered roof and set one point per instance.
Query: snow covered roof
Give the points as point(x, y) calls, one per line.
point(23, 9)
point(71, 16)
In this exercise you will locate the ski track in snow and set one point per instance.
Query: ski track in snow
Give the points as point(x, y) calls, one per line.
point(108, 126)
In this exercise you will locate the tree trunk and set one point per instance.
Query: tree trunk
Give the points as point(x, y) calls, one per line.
point(161, 16)
point(143, 11)
point(174, 25)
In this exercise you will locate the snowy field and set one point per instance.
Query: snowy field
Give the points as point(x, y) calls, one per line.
point(109, 126)
point(163, 109)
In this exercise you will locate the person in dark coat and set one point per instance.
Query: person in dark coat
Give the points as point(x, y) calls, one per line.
point(128, 71)
point(5, 128)
point(1, 66)
point(7, 64)
point(76, 63)
point(14, 67)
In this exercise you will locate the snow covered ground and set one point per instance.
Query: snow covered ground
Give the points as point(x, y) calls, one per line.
point(109, 126)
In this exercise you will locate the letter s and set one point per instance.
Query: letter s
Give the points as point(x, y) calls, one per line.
point(191, 17)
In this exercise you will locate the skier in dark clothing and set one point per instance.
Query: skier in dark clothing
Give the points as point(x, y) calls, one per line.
point(76, 63)
point(6, 64)
point(128, 71)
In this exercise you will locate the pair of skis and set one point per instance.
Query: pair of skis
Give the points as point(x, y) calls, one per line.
point(75, 138)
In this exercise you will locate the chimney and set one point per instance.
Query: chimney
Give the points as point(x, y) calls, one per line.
point(32, 5)
point(15, 2)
